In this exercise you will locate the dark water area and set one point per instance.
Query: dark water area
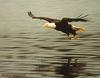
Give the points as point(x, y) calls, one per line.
point(29, 51)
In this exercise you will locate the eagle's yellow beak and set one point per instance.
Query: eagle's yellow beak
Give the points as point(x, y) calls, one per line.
point(81, 29)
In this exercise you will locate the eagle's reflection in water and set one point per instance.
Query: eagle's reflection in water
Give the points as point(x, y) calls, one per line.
point(71, 69)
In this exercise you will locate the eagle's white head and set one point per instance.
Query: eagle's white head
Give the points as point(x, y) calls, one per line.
point(49, 25)
point(78, 29)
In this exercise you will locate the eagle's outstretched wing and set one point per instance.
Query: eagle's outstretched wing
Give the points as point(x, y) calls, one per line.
point(77, 19)
point(43, 18)
point(51, 20)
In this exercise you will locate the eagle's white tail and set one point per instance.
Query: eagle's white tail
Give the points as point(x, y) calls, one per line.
point(49, 25)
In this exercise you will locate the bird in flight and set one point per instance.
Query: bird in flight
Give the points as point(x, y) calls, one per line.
point(63, 24)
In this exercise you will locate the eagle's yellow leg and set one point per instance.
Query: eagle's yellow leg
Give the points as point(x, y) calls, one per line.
point(76, 37)
point(71, 37)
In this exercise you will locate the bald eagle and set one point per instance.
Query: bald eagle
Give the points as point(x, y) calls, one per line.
point(63, 24)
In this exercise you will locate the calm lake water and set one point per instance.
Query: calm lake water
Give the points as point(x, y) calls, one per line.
point(29, 51)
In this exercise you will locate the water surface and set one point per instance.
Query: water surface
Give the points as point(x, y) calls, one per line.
point(29, 51)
